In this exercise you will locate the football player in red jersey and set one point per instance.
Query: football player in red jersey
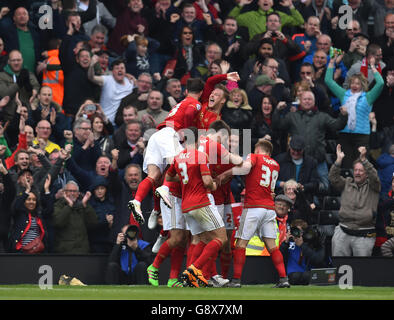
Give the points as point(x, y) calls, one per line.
point(174, 222)
point(164, 145)
point(220, 160)
point(258, 216)
point(213, 99)
point(191, 167)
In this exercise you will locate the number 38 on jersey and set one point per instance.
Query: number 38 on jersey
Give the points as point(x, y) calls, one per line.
point(268, 177)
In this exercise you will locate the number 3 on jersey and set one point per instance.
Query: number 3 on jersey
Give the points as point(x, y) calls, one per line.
point(183, 167)
point(268, 178)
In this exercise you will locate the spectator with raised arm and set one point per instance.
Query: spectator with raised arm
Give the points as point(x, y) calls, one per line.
point(29, 234)
point(130, 21)
point(358, 102)
point(114, 87)
point(255, 20)
point(16, 79)
point(355, 234)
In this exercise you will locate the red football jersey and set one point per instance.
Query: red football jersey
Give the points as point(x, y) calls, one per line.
point(176, 117)
point(191, 165)
point(260, 182)
point(205, 117)
point(216, 154)
point(174, 187)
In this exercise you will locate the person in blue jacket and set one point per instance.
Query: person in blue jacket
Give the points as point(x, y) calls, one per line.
point(129, 258)
point(302, 250)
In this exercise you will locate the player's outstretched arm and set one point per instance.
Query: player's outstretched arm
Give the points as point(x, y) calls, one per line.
point(235, 159)
point(243, 169)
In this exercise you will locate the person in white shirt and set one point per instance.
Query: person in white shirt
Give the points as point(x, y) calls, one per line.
point(114, 87)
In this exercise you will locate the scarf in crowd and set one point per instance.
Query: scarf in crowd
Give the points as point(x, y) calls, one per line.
point(350, 105)
point(8, 70)
point(142, 63)
point(188, 54)
point(364, 68)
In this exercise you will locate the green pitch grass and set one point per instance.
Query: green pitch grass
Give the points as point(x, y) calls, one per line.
point(250, 292)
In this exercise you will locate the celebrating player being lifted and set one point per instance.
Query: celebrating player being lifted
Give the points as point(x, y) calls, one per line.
point(164, 145)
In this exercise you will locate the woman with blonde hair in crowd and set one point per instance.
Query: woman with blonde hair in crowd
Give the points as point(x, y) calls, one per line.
point(358, 102)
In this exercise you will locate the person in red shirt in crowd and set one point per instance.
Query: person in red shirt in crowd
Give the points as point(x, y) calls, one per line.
point(220, 160)
point(198, 206)
point(164, 145)
point(258, 216)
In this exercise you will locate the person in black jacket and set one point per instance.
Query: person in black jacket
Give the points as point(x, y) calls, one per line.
point(86, 150)
point(262, 124)
point(28, 216)
point(103, 205)
point(129, 258)
point(7, 195)
point(77, 86)
point(132, 148)
point(294, 164)
point(231, 40)
point(122, 189)
point(188, 55)
point(14, 35)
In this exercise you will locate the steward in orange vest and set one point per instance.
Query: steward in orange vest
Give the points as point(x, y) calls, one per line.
point(53, 76)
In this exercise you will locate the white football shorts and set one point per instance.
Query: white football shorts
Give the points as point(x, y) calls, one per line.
point(257, 221)
point(204, 219)
point(162, 145)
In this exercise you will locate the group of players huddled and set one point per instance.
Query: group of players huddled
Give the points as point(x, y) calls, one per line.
point(189, 168)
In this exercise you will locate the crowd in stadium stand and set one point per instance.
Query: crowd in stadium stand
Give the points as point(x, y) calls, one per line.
point(84, 84)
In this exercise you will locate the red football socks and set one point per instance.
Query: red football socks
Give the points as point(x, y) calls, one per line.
point(225, 262)
point(163, 253)
point(156, 201)
point(198, 249)
point(239, 262)
point(143, 188)
point(190, 254)
point(210, 251)
point(177, 255)
point(277, 260)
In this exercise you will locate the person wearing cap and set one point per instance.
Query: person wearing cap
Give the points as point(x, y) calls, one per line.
point(301, 254)
point(294, 164)
point(282, 206)
point(266, 84)
point(129, 258)
point(357, 49)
